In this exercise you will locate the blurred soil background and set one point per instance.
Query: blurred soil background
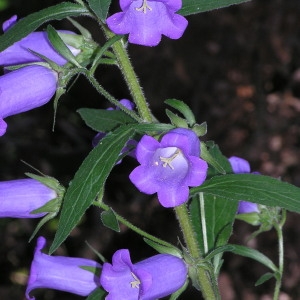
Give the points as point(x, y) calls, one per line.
point(239, 70)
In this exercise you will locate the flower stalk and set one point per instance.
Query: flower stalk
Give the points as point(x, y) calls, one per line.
point(205, 277)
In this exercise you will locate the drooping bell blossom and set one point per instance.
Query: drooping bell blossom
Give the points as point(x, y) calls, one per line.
point(149, 279)
point(18, 53)
point(147, 20)
point(18, 198)
point(131, 144)
point(170, 166)
point(25, 89)
point(241, 166)
point(61, 273)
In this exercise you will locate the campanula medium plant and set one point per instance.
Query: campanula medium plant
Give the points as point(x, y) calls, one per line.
point(175, 162)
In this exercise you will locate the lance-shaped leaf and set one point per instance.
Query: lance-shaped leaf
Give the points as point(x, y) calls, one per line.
point(253, 188)
point(190, 7)
point(103, 120)
point(89, 181)
point(30, 23)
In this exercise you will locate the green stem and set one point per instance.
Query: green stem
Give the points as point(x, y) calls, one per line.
point(278, 227)
point(205, 277)
point(130, 77)
point(133, 227)
point(107, 95)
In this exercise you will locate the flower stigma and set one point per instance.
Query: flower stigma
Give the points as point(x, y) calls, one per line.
point(144, 7)
point(136, 282)
point(168, 160)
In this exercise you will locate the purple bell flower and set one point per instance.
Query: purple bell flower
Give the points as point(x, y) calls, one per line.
point(25, 89)
point(147, 20)
point(241, 166)
point(61, 273)
point(170, 166)
point(19, 197)
point(152, 278)
point(18, 53)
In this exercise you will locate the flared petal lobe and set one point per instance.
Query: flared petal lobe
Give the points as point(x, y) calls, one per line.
point(147, 20)
point(61, 273)
point(19, 52)
point(25, 89)
point(152, 278)
point(169, 167)
point(19, 197)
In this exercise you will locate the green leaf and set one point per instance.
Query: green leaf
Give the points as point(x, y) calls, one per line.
point(103, 120)
point(97, 294)
point(60, 46)
point(100, 8)
point(109, 220)
point(190, 7)
point(182, 108)
point(219, 217)
point(30, 23)
point(89, 181)
point(163, 249)
point(254, 254)
point(254, 188)
point(264, 278)
point(176, 120)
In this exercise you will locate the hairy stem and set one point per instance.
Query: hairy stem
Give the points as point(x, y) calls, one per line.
point(205, 277)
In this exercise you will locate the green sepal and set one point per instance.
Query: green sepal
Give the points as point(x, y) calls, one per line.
point(52, 207)
point(96, 271)
point(264, 278)
point(60, 46)
point(184, 109)
point(163, 249)
point(97, 294)
point(177, 294)
point(205, 154)
point(176, 120)
point(109, 220)
point(250, 218)
point(200, 129)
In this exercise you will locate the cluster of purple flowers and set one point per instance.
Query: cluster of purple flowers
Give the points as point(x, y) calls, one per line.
point(168, 166)
point(149, 279)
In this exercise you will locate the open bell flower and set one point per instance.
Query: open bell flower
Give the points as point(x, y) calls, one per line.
point(149, 279)
point(25, 89)
point(61, 273)
point(18, 198)
point(170, 166)
point(241, 166)
point(19, 53)
point(147, 20)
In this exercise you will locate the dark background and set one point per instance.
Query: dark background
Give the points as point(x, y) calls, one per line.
point(239, 70)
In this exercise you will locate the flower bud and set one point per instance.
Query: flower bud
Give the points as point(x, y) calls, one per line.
point(25, 89)
point(18, 198)
point(61, 273)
